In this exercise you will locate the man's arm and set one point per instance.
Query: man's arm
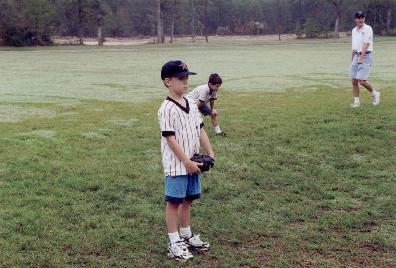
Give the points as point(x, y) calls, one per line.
point(206, 143)
point(192, 167)
point(364, 50)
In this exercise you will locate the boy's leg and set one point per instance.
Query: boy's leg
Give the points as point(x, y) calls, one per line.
point(193, 193)
point(175, 189)
point(171, 215)
point(216, 126)
point(184, 213)
point(206, 110)
point(215, 122)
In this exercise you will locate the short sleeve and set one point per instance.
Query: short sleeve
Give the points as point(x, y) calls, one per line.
point(202, 94)
point(198, 117)
point(166, 122)
point(214, 96)
point(368, 36)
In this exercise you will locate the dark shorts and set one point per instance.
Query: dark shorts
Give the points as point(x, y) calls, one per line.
point(180, 188)
point(205, 110)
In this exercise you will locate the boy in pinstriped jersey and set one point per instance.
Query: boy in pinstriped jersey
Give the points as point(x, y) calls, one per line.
point(182, 135)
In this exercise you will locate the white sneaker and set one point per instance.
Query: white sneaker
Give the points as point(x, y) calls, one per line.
point(179, 251)
point(194, 242)
point(376, 98)
point(355, 105)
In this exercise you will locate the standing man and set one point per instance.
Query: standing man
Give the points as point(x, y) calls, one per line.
point(362, 48)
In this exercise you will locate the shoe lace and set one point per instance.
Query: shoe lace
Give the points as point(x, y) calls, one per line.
point(180, 248)
point(196, 239)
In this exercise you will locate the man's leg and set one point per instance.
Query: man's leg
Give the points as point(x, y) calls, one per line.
point(374, 94)
point(356, 93)
point(366, 85)
point(356, 90)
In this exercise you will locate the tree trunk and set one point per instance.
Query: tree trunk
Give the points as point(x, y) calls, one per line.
point(99, 18)
point(337, 4)
point(160, 30)
point(193, 34)
point(389, 18)
point(172, 32)
point(206, 22)
point(337, 25)
point(80, 22)
point(280, 18)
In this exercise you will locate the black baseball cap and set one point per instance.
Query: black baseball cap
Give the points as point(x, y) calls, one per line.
point(175, 68)
point(360, 14)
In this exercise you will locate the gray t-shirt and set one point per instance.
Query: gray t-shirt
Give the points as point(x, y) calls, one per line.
point(202, 93)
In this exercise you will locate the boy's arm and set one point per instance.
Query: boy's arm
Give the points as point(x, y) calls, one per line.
point(206, 143)
point(192, 167)
point(212, 103)
point(200, 103)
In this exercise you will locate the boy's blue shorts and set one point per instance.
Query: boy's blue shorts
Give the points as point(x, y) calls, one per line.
point(205, 110)
point(180, 188)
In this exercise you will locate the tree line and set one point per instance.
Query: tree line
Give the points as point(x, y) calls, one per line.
point(33, 22)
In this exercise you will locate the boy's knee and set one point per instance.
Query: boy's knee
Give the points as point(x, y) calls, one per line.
point(362, 81)
point(187, 202)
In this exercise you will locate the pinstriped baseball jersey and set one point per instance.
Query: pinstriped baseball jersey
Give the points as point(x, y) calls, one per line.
point(185, 124)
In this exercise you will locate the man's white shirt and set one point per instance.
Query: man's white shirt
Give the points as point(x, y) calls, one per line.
point(362, 36)
point(185, 124)
point(202, 93)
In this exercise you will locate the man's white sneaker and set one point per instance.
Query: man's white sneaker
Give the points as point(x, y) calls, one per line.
point(194, 242)
point(376, 98)
point(179, 251)
point(355, 105)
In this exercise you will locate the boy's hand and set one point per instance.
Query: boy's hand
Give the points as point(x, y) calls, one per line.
point(214, 112)
point(193, 167)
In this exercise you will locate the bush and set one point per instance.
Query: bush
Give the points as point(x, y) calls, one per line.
point(223, 31)
point(299, 32)
point(312, 29)
point(391, 32)
point(17, 37)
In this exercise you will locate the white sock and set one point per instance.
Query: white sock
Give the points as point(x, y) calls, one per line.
point(217, 129)
point(357, 99)
point(185, 232)
point(174, 237)
point(374, 92)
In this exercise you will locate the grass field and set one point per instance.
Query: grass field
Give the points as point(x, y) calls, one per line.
point(301, 180)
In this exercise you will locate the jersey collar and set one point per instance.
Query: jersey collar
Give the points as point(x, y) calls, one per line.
point(184, 109)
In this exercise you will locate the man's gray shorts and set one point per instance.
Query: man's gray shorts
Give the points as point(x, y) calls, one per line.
point(361, 71)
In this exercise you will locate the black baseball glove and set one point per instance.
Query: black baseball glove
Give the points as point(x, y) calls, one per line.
point(206, 160)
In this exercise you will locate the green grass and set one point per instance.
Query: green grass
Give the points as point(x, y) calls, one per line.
point(301, 180)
